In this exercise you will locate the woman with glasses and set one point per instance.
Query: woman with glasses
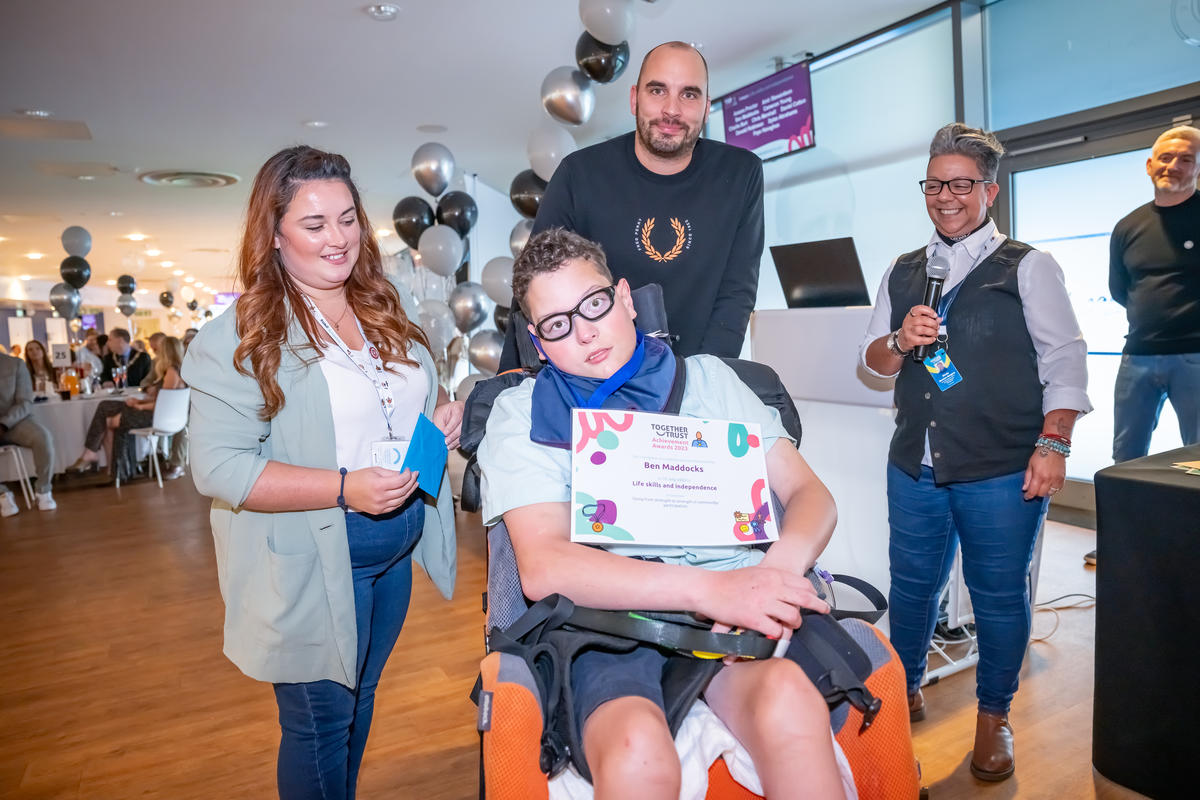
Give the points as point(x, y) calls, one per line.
point(988, 386)
point(317, 366)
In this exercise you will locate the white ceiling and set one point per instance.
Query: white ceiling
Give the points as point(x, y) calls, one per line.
point(219, 85)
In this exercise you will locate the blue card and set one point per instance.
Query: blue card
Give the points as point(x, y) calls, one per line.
point(943, 371)
point(427, 455)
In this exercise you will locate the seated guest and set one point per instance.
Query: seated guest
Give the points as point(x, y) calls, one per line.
point(584, 326)
point(16, 351)
point(88, 354)
point(188, 335)
point(40, 367)
point(19, 428)
point(122, 354)
point(113, 419)
point(156, 340)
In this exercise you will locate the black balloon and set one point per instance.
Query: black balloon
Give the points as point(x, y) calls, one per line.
point(208, 313)
point(126, 284)
point(601, 62)
point(500, 317)
point(167, 299)
point(526, 192)
point(193, 305)
point(463, 273)
point(75, 271)
point(411, 217)
point(458, 210)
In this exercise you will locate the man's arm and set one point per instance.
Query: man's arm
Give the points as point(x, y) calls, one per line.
point(759, 598)
point(726, 329)
point(22, 405)
point(1118, 276)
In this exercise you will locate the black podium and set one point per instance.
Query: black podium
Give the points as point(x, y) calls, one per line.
point(1146, 708)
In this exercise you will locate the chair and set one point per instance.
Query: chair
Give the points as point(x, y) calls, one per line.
point(170, 417)
point(14, 452)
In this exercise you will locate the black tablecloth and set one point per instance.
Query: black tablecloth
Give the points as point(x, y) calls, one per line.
point(1146, 708)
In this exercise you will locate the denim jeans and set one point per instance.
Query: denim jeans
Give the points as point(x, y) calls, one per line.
point(1144, 383)
point(325, 724)
point(997, 529)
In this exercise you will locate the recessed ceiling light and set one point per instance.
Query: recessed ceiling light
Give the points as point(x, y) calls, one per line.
point(143, 291)
point(39, 113)
point(35, 256)
point(316, 123)
point(199, 284)
point(3, 239)
point(432, 128)
point(189, 279)
point(110, 282)
point(167, 264)
point(86, 177)
point(26, 277)
point(116, 213)
point(152, 252)
point(137, 237)
point(177, 272)
point(383, 233)
point(382, 12)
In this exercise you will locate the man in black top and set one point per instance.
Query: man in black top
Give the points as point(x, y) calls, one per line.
point(669, 207)
point(121, 353)
point(1154, 271)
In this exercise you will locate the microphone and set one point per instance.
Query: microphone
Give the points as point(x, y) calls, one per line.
point(936, 272)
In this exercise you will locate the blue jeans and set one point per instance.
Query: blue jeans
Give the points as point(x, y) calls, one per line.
point(1143, 384)
point(997, 529)
point(325, 724)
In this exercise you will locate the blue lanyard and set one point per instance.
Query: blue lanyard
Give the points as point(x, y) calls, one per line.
point(948, 299)
point(618, 379)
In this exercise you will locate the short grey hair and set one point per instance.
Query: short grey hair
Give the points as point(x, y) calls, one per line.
point(982, 147)
point(1180, 132)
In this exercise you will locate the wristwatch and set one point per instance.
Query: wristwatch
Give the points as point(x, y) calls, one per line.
point(893, 344)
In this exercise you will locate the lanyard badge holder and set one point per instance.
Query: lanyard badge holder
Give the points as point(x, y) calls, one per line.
point(388, 453)
point(939, 365)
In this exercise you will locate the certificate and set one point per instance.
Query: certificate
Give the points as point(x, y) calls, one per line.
point(658, 479)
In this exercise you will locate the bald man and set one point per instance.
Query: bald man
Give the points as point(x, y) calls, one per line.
point(669, 207)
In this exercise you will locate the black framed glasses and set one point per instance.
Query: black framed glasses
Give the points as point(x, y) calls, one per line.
point(595, 305)
point(959, 186)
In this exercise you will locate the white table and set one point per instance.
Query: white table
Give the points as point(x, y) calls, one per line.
point(67, 421)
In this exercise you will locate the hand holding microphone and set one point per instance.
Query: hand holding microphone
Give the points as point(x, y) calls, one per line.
point(921, 324)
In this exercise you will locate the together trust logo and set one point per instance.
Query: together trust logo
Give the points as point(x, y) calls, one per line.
point(645, 230)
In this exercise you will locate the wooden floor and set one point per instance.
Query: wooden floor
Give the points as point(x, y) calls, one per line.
point(114, 686)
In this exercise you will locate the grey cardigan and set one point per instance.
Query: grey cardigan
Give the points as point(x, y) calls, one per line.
point(285, 576)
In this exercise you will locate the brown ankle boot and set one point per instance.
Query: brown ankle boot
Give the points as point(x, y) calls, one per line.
point(916, 707)
point(992, 759)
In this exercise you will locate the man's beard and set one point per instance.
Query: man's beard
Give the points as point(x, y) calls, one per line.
point(665, 146)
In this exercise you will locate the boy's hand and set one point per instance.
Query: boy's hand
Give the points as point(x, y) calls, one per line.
point(759, 598)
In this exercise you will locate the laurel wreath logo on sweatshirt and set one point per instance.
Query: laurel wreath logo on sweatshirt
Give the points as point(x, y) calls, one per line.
point(682, 240)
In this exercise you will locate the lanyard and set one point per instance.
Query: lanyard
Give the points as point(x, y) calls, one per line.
point(618, 379)
point(371, 370)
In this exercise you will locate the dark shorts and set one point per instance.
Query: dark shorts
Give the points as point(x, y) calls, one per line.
point(598, 676)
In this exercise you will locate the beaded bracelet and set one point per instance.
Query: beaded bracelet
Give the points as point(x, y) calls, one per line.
point(341, 501)
point(1058, 437)
point(1048, 445)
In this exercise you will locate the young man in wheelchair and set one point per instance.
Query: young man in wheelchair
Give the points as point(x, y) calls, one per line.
point(583, 324)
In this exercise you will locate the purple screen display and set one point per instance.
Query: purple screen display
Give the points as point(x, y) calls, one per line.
point(772, 116)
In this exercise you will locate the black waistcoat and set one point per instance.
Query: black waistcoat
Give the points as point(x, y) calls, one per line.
point(986, 425)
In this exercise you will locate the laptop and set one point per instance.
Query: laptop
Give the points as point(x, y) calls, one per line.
point(821, 274)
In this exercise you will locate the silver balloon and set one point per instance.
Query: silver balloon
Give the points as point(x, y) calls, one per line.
point(607, 20)
point(441, 249)
point(463, 390)
point(438, 323)
point(519, 236)
point(433, 167)
point(469, 305)
point(65, 299)
point(547, 146)
point(77, 241)
point(497, 279)
point(484, 351)
point(127, 304)
point(567, 95)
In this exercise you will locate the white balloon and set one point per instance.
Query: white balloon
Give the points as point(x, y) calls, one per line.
point(607, 20)
point(437, 320)
point(547, 146)
point(497, 279)
point(441, 249)
point(188, 294)
point(76, 241)
point(173, 284)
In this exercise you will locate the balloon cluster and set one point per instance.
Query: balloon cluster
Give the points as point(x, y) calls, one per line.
point(75, 272)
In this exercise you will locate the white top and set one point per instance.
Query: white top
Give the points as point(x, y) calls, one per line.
point(1061, 350)
point(357, 416)
point(518, 472)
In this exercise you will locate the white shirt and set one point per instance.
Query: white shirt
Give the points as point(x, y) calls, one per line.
point(358, 418)
point(1057, 340)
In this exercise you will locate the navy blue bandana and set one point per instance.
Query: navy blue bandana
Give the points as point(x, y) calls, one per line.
point(641, 384)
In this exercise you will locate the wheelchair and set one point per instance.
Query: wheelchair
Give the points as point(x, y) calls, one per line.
point(878, 746)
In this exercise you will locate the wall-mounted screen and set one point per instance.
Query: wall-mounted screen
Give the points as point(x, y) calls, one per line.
point(771, 117)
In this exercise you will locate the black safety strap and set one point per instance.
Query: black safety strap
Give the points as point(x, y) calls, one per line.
point(868, 591)
point(674, 632)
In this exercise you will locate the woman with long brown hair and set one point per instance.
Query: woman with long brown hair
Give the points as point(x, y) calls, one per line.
point(317, 363)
